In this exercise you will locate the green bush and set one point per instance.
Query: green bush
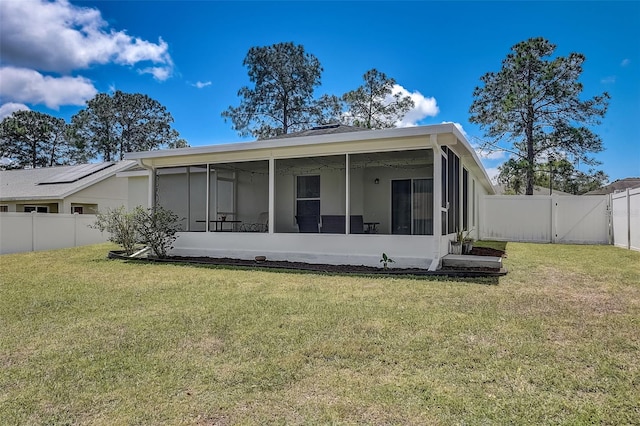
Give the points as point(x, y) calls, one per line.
point(156, 228)
point(120, 225)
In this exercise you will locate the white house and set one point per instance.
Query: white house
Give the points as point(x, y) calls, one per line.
point(83, 188)
point(334, 194)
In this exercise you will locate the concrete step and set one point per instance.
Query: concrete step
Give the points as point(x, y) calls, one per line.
point(470, 261)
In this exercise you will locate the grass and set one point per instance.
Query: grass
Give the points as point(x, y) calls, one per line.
point(86, 340)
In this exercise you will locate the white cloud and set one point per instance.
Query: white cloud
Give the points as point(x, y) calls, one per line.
point(201, 84)
point(159, 73)
point(608, 80)
point(625, 62)
point(61, 37)
point(493, 173)
point(487, 154)
point(31, 87)
point(424, 107)
point(9, 108)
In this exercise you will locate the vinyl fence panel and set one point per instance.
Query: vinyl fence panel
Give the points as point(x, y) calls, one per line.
point(581, 219)
point(626, 219)
point(524, 218)
point(21, 232)
point(545, 218)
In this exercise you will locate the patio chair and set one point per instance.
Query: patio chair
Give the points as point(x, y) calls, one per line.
point(261, 224)
point(332, 224)
point(356, 226)
point(307, 224)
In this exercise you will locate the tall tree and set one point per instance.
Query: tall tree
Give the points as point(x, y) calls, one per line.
point(281, 100)
point(532, 108)
point(374, 105)
point(34, 139)
point(112, 125)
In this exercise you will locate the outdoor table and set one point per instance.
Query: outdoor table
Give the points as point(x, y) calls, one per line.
point(372, 227)
point(218, 225)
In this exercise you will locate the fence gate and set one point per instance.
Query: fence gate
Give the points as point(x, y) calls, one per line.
point(546, 218)
point(583, 219)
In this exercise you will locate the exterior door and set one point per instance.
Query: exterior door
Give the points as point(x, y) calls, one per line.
point(412, 207)
point(401, 207)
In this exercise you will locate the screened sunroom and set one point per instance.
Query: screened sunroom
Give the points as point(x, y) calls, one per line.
point(326, 198)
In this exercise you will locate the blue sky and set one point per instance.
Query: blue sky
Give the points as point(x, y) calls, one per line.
point(188, 55)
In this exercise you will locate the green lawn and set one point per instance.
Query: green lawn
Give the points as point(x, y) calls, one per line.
point(86, 340)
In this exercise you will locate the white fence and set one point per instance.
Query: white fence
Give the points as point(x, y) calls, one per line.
point(20, 232)
point(600, 219)
point(625, 220)
point(546, 218)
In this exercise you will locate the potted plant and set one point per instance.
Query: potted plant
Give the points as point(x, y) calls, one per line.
point(455, 247)
point(467, 242)
point(463, 243)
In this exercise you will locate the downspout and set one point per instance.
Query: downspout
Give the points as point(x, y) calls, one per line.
point(151, 200)
point(437, 195)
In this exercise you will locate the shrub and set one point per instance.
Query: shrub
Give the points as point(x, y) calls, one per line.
point(157, 228)
point(120, 225)
point(154, 227)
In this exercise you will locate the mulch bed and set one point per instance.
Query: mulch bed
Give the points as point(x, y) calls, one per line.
point(331, 269)
point(487, 251)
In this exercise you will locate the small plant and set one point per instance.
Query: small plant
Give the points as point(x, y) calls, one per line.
point(462, 235)
point(386, 260)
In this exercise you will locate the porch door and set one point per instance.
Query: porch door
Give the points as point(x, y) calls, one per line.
point(412, 207)
point(401, 207)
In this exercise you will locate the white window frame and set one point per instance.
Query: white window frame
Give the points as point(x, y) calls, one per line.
point(318, 198)
point(35, 207)
point(4, 208)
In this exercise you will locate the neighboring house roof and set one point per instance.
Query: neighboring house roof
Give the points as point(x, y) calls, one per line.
point(537, 190)
point(55, 182)
point(327, 129)
point(617, 186)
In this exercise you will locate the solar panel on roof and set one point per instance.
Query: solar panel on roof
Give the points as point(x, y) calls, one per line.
point(76, 173)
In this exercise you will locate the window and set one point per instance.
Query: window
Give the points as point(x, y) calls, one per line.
point(473, 208)
point(453, 191)
point(444, 207)
point(37, 209)
point(77, 209)
point(465, 199)
point(308, 195)
point(4, 208)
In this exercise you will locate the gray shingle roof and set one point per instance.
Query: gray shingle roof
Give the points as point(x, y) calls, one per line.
point(619, 185)
point(322, 130)
point(24, 184)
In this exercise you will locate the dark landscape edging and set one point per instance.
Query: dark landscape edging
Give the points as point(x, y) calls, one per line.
point(310, 267)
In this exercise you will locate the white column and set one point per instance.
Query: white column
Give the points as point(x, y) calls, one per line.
point(347, 210)
point(207, 223)
point(437, 187)
point(437, 201)
point(272, 194)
